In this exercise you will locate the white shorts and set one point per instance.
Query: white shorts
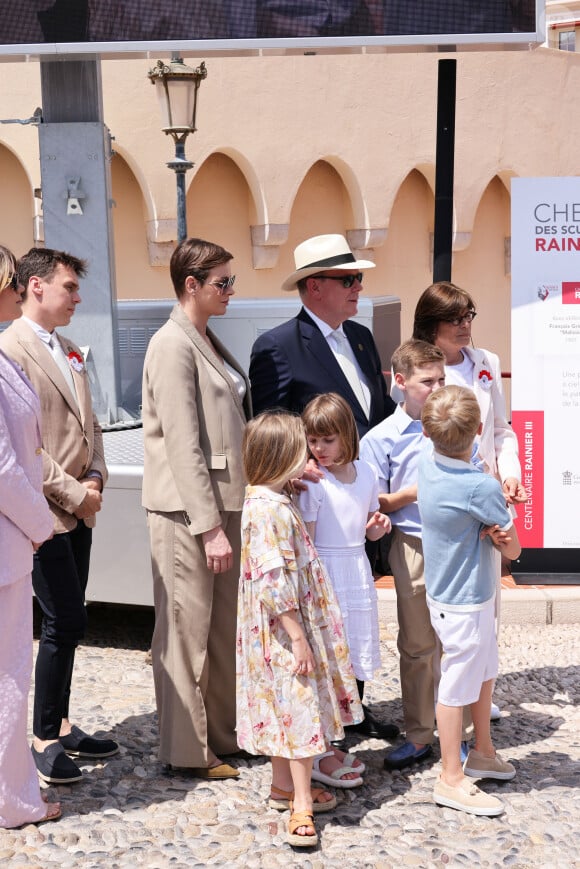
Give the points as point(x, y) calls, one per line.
point(470, 658)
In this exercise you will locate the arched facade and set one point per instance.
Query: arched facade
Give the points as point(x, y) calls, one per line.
point(293, 146)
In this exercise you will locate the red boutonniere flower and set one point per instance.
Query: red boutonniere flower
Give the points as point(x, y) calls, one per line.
point(485, 378)
point(75, 360)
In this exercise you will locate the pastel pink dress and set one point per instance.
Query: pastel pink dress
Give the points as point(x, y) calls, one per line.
point(24, 516)
point(279, 713)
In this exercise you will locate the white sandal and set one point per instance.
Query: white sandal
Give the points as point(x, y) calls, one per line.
point(334, 779)
point(350, 760)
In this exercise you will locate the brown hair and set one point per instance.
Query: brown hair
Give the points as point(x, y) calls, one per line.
point(328, 415)
point(42, 262)
point(274, 447)
point(441, 301)
point(7, 266)
point(195, 257)
point(414, 354)
point(451, 418)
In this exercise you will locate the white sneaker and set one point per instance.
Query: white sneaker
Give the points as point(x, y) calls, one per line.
point(495, 714)
point(467, 797)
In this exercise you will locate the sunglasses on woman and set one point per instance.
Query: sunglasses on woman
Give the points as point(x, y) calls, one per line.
point(467, 318)
point(346, 280)
point(223, 285)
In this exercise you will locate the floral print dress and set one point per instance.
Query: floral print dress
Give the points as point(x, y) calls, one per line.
point(280, 713)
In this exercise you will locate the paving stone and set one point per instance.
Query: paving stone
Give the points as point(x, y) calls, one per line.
point(129, 812)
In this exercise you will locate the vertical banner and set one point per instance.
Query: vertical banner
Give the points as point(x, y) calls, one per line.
point(546, 357)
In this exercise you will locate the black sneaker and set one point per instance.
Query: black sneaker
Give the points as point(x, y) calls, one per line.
point(54, 766)
point(80, 744)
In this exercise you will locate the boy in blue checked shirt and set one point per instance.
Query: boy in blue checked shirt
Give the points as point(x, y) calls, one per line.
point(394, 447)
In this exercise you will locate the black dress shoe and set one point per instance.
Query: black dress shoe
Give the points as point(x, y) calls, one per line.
point(374, 729)
point(80, 744)
point(340, 744)
point(54, 766)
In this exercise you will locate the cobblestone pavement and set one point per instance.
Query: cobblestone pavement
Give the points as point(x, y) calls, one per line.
point(128, 813)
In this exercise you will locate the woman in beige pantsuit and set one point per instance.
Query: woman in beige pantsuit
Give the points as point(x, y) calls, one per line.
point(196, 401)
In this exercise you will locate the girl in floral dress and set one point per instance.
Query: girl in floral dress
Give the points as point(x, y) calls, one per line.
point(295, 685)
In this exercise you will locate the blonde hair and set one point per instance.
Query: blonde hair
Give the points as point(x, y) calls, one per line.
point(328, 415)
point(7, 267)
point(451, 417)
point(414, 354)
point(274, 448)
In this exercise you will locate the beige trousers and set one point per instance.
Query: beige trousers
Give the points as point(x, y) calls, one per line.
point(416, 641)
point(194, 642)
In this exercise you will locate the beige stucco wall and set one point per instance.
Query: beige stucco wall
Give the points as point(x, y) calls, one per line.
point(289, 147)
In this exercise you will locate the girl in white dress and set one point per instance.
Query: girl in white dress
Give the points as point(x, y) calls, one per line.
point(341, 511)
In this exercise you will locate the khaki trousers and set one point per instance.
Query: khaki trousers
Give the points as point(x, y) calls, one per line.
point(194, 642)
point(416, 641)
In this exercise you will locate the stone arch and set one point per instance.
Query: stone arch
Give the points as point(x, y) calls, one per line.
point(483, 267)
point(321, 205)
point(135, 254)
point(20, 228)
point(404, 263)
point(221, 208)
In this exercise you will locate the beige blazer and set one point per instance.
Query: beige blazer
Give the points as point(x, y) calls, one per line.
point(193, 422)
point(71, 436)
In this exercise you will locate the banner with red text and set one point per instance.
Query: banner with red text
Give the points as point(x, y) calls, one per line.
point(545, 389)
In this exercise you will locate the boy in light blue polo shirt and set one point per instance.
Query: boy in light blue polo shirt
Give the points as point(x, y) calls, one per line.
point(464, 515)
point(394, 447)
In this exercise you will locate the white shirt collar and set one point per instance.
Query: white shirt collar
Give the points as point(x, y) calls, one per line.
point(322, 325)
point(38, 330)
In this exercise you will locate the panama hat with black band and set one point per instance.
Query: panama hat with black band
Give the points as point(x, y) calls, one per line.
point(323, 253)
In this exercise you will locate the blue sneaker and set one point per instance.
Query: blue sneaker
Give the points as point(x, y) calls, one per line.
point(406, 755)
point(464, 751)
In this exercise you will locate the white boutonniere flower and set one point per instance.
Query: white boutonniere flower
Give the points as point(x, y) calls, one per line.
point(485, 378)
point(76, 362)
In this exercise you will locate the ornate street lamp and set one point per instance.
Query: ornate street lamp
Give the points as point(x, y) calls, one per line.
point(177, 87)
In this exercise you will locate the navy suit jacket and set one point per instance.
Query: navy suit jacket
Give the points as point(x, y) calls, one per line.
point(293, 362)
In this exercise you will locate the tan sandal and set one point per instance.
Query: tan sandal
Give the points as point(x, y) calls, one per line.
point(53, 813)
point(297, 820)
point(282, 800)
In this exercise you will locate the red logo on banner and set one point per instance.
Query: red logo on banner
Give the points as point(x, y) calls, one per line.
point(571, 292)
point(529, 428)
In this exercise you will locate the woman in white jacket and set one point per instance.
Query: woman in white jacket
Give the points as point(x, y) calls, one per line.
point(25, 522)
point(443, 317)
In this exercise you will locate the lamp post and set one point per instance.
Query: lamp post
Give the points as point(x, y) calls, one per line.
point(177, 86)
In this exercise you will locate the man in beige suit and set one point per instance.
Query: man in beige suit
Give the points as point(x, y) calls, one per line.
point(195, 404)
point(74, 474)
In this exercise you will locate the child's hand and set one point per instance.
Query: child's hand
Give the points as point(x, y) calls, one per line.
point(378, 525)
point(303, 657)
point(499, 538)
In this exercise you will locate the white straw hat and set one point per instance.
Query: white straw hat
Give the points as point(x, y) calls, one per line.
point(323, 253)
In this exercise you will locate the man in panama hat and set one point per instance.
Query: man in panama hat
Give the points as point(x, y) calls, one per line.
point(321, 349)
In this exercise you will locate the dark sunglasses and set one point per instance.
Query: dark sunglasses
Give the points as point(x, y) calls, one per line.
point(346, 280)
point(224, 285)
point(13, 282)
